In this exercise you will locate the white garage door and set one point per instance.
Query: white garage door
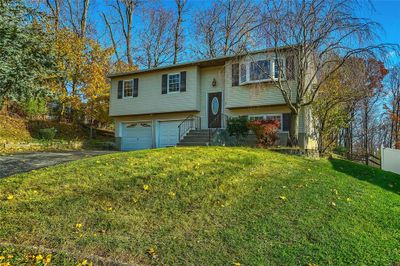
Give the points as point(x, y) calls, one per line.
point(136, 136)
point(168, 133)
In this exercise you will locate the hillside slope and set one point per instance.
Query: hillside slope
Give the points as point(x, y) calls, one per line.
point(13, 129)
point(206, 206)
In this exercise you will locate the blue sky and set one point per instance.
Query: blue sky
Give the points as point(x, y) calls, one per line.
point(387, 13)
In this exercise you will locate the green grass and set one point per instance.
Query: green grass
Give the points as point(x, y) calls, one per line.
point(207, 206)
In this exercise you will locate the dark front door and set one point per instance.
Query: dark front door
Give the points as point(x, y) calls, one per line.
point(214, 109)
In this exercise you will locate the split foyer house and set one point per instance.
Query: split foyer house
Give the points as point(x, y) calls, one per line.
point(178, 104)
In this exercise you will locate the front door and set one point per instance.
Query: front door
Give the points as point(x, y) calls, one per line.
point(214, 109)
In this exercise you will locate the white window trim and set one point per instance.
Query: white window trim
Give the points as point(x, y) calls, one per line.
point(276, 114)
point(271, 71)
point(172, 92)
point(123, 89)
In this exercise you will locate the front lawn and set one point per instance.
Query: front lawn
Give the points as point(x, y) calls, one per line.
point(203, 206)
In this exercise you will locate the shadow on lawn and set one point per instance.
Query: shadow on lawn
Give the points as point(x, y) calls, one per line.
point(383, 179)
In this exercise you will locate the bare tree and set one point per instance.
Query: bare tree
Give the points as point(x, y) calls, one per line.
point(121, 19)
point(178, 32)
point(111, 34)
point(226, 27)
point(311, 31)
point(78, 16)
point(55, 8)
point(207, 22)
point(156, 41)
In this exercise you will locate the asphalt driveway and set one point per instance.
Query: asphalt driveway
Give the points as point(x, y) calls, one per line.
point(25, 162)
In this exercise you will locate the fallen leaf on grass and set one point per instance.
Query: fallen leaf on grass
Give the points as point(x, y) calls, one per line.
point(152, 253)
point(282, 198)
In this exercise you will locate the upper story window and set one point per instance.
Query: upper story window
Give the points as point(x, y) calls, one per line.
point(128, 88)
point(243, 73)
point(174, 81)
point(260, 70)
point(278, 68)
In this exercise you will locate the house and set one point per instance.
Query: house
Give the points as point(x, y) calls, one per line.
point(179, 104)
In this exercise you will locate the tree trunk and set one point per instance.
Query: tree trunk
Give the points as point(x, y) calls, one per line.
point(294, 129)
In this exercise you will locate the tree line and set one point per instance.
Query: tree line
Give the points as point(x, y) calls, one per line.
point(60, 51)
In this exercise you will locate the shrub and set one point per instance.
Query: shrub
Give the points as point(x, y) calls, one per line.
point(47, 133)
point(340, 150)
point(266, 131)
point(35, 107)
point(237, 127)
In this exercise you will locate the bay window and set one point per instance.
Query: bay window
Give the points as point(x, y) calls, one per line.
point(278, 68)
point(262, 71)
point(243, 73)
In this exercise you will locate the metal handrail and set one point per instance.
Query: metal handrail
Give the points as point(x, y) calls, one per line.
point(212, 131)
point(190, 122)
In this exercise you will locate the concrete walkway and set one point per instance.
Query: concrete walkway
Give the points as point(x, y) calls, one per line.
point(25, 162)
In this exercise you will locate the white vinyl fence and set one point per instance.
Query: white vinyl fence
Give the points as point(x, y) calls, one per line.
point(390, 160)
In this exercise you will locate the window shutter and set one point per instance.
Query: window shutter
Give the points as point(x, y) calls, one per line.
point(135, 87)
point(183, 81)
point(286, 121)
point(235, 74)
point(164, 83)
point(290, 67)
point(120, 86)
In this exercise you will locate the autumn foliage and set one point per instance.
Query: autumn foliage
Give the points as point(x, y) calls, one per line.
point(266, 131)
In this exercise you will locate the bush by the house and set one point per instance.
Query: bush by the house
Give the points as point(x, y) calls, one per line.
point(47, 133)
point(340, 150)
point(237, 127)
point(266, 131)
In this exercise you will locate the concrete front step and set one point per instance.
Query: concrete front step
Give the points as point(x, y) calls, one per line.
point(191, 138)
point(198, 137)
point(181, 144)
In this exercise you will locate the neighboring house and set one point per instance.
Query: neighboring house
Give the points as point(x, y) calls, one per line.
point(177, 104)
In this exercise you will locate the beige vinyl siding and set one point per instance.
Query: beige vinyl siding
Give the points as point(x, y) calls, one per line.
point(259, 94)
point(150, 99)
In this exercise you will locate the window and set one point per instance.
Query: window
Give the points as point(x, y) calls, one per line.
point(290, 67)
point(173, 82)
point(235, 74)
point(243, 73)
point(268, 117)
point(278, 66)
point(260, 70)
point(256, 117)
point(128, 88)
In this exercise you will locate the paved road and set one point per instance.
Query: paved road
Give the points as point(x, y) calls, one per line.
point(25, 162)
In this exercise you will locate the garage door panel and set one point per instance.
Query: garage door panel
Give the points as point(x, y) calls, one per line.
point(136, 136)
point(168, 133)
